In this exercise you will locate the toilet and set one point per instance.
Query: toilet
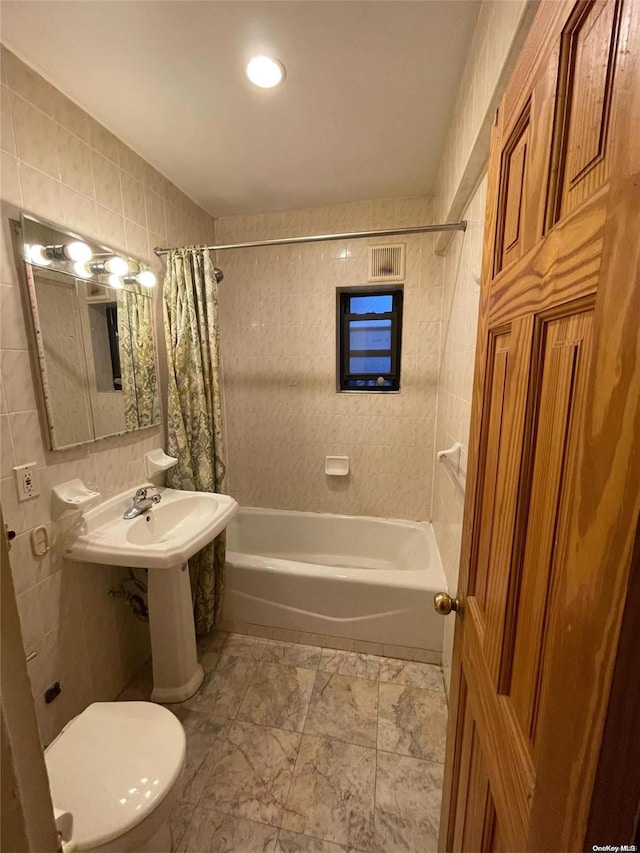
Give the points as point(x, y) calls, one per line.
point(117, 768)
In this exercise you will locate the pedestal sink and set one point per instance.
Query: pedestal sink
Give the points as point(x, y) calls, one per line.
point(160, 540)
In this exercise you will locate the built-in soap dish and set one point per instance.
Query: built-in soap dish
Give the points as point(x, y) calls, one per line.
point(336, 466)
point(157, 460)
point(72, 496)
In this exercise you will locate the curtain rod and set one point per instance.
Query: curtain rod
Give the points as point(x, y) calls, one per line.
point(319, 238)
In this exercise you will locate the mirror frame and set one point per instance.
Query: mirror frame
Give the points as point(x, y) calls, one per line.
point(26, 270)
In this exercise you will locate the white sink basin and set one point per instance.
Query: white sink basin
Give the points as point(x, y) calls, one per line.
point(164, 537)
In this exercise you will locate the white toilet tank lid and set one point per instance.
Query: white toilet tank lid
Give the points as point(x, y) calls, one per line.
point(112, 765)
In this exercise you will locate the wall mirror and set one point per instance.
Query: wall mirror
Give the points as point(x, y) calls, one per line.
point(92, 313)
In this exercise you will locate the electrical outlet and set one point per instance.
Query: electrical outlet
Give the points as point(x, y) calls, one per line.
point(27, 481)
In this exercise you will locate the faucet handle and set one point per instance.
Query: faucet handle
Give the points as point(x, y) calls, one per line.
point(156, 498)
point(141, 494)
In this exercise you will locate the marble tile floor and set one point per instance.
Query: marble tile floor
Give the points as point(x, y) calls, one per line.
point(301, 749)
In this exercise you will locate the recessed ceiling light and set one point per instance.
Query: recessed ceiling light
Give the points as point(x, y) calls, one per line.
point(265, 72)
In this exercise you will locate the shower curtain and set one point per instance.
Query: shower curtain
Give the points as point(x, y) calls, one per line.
point(137, 359)
point(194, 421)
point(127, 366)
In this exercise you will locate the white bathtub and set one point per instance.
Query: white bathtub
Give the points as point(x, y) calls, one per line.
point(364, 579)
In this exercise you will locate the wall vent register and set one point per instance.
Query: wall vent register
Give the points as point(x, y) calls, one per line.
point(369, 338)
point(386, 263)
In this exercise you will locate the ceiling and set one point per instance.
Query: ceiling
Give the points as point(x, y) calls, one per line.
point(363, 112)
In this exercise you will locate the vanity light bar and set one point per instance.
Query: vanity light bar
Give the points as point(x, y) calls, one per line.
point(43, 255)
point(145, 278)
point(114, 265)
point(82, 270)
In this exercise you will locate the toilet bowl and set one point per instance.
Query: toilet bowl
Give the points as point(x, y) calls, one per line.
point(117, 768)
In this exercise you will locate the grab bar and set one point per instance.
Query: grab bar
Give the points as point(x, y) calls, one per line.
point(450, 458)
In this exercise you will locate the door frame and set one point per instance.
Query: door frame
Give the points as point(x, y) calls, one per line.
point(27, 813)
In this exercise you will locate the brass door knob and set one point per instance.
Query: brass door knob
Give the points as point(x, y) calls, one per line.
point(444, 604)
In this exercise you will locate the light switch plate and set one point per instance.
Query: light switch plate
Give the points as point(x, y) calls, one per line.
point(27, 481)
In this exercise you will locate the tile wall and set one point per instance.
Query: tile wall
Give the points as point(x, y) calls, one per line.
point(278, 331)
point(500, 30)
point(460, 194)
point(461, 294)
point(278, 309)
point(59, 163)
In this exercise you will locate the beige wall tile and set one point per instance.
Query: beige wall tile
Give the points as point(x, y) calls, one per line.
point(426, 656)
point(35, 135)
point(71, 116)
point(136, 240)
point(12, 326)
point(402, 652)
point(285, 635)
point(131, 162)
point(75, 162)
point(11, 191)
point(468, 140)
point(110, 226)
point(11, 507)
point(27, 83)
point(260, 631)
point(133, 199)
point(278, 341)
point(100, 654)
point(30, 616)
point(41, 194)
point(17, 379)
point(341, 643)
point(460, 298)
point(155, 212)
point(79, 212)
point(106, 176)
point(103, 141)
point(154, 180)
point(368, 648)
point(7, 458)
point(7, 140)
point(25, 427)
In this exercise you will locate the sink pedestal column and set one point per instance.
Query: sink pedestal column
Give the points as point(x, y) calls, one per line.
point(176, 671)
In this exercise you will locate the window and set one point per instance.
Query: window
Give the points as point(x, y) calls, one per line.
point(369, 336)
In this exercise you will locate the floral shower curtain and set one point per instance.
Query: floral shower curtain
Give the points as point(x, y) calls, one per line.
point(194, 421)
point(137, 359)
point(127, 366)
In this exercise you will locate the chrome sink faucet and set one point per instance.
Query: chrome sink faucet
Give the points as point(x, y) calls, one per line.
point(142, 502)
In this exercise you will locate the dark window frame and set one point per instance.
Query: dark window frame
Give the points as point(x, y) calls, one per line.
point(347, 381)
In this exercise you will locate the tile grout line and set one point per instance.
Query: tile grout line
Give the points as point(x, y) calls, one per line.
point(231, 720)
point(375, 776)
point(295, 763)
point(227, 729)
point(279, 827)
point(412, 757)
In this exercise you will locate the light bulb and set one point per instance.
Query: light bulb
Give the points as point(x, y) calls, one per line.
point(146, 278)
point(77, 251)
point(36, 254)
point(116, 265)
point(114, 281)
point(265, 72)
point(82, 270)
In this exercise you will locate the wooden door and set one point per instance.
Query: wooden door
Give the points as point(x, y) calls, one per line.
point(553, 495)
